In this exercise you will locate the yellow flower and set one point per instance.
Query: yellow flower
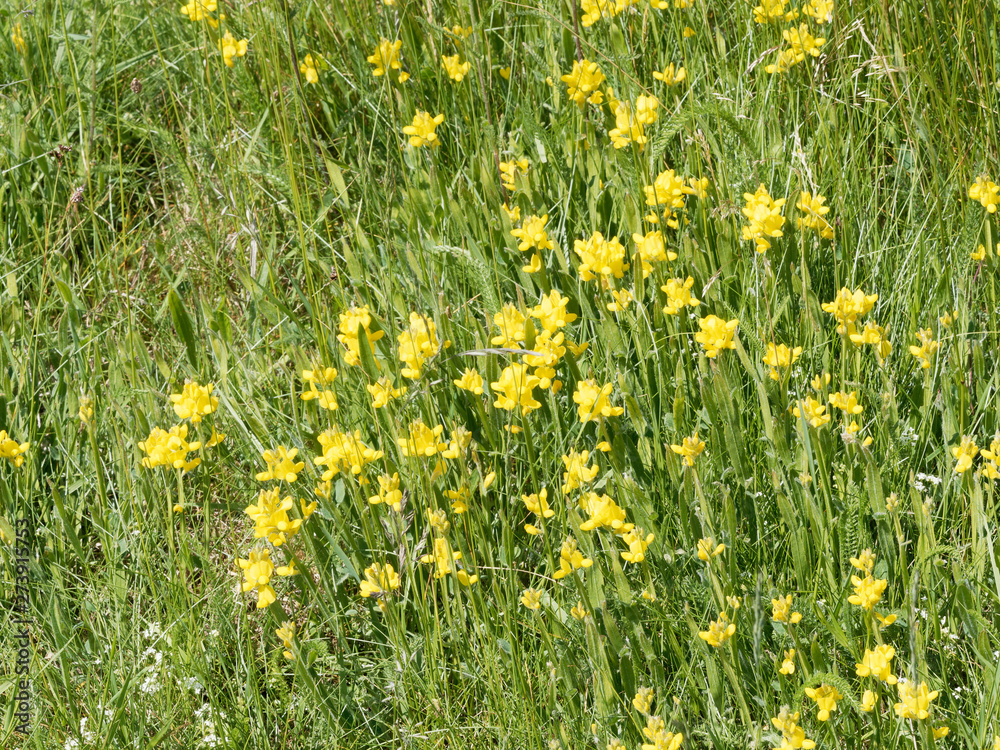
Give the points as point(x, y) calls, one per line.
point(385, 57)
point(510, 169)
point(460, 440)
point(770, 11)
point(868, 701)
point(793, 736)
point(514, 214)
point(532, 234)
point(788, 663)
point(979, 253)
point(948, 318)
point(814, 214)
point(928, 346)
point(600, 257)
point(547, 352)
point(814, 411)
point(382, 392)
point(621, 298)
point(577, 472)
point(516, 389)
point(637, 544)
point(646, 109)
point(877, 664)
point(570, 559)
point(628, 128)
point(719, 631)
point(940, 732)
point(603, 512)
point(444, 559)
point(320, 377)
point(19, 44)
point(505, 73)
point(867, 591)
point(388, 492)
point(826, 697)
point(846, 402)
point(678, 293)
point(643, 700)
point(764, 216)
point(286, 633)
point(270, 516)
point(914, 700)
point(786, 59)
point(707, 549)
point(257, 572)
point(669, 191)
point(86, 410)
point(885, 620)
point(460, 499)
point(343, 451)
point(379, 580)
point(802, 43)
point(592, 401)
point(781, 610)
point(716, 334)
point(537, 503)
point(688, 32)
point(671, 76)
point(865, 561)
point(532, 599)
point(779, 355)
point(350, 321)
point(660, 738)
point(848, 306)
point(14, 451)
point(163, 448)
point(594, 10)
point(456, 70)
point(510, 321)
point(310, 69)
point(194, 401)
point(470, 381)
point(690, 448)
point(650, 249)
point(421, 130)
point(874, 334)
point(422, 440)
point(820, 10)
point(582, 82)
point(986, 192)
point(231, 47)
point(281, 465)
point(287, 570)
point(964, 453)
point(416, 344)
point(991, 469)
point(198, 10)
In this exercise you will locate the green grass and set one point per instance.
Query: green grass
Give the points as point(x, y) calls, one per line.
point(168, 218)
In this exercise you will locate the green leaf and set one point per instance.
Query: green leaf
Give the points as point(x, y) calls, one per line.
point(183, 326)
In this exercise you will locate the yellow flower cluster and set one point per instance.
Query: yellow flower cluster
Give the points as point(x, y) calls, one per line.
point(12, 450)
point(764, 218)
point(386, 58)
point(353, 321)
point(583, 82)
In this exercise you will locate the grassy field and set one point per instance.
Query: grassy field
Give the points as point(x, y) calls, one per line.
point(429, 374)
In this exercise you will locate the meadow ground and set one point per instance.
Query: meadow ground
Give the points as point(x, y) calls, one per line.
point(428, 374)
